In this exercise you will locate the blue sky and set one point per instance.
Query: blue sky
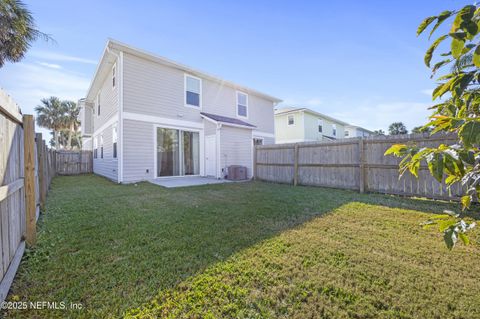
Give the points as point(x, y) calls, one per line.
point(359, 61)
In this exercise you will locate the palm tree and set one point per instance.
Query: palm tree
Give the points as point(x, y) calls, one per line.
point(17, 31)
point(71, 121)
point(51, 115)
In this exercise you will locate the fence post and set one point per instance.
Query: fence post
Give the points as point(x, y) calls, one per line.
point(29, 162)
point(54, 157)
point(41, 170)
point(45, 168)
point(361, 151)
point(295, 166)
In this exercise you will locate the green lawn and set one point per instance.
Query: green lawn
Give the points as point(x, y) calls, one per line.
point(242, 250)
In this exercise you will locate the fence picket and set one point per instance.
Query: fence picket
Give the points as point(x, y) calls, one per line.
point(353, 163)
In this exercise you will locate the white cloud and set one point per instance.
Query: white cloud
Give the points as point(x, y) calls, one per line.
point(59, 57)
point(50, 65)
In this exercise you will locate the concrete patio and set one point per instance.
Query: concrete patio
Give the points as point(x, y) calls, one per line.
point(185, 181)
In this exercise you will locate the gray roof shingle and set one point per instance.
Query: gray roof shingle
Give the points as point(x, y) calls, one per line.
point(226, 120)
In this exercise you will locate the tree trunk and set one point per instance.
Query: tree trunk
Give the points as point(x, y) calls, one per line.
point(55, 138)
point(69, 140)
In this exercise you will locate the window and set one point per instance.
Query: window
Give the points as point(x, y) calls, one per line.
point(101, 146)
point(95, 146)
point(334, 129)
point(320, 126)
point(291, 120)
point(257, 141)
point(193, 88)
point(347, 133)
point(98, 104)
point(242, 104)
point(114, 140)
point(114, 71)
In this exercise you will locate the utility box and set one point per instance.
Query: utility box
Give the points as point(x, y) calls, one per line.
point(237, 173)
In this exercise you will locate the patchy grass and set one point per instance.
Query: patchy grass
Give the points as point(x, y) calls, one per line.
point(242, 250)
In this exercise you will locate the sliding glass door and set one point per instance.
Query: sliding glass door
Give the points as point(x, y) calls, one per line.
point(191, 153)
point(168, 160)
point(178, 152)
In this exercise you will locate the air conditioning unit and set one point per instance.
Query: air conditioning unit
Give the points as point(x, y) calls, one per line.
point(237, 173)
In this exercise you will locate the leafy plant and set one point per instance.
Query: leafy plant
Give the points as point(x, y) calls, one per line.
point(17, 31)
point(422, 129)
point(62, 118)
point(397, 128)
point(379, 132)
point(458, 113)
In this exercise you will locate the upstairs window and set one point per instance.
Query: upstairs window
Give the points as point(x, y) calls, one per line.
point(347, 133)
point(242, 104)
point(114, 73)
point(291, 120)
point(98, 104)
point(95, 146)
point(114, 140)
point(193, 88)
point(334, 129)
point(320, 126)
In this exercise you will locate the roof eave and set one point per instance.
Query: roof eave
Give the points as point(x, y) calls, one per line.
point(227, 123)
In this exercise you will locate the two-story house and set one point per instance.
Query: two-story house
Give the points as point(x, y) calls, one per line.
point(294, 125)
point(356, 131)
point(148, 117)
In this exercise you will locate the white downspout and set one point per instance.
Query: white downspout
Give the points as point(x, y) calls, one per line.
point(218, 161)
point(120, 113)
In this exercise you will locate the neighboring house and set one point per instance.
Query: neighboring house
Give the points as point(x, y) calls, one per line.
point(294, 125)
point(356, 131)
point(147, 117)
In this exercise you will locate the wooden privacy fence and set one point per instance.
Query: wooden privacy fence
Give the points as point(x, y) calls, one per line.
point(355, 163)
point(27, 167)
point(74, 162)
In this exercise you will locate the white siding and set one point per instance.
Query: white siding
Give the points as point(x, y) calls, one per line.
point(236, 148)
point(138, 151)
point(86, 117)
point(210, 128)
point(108, 102)
point(106, 166)
point(150, 88)
point(261, 114)
point(154, 89)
